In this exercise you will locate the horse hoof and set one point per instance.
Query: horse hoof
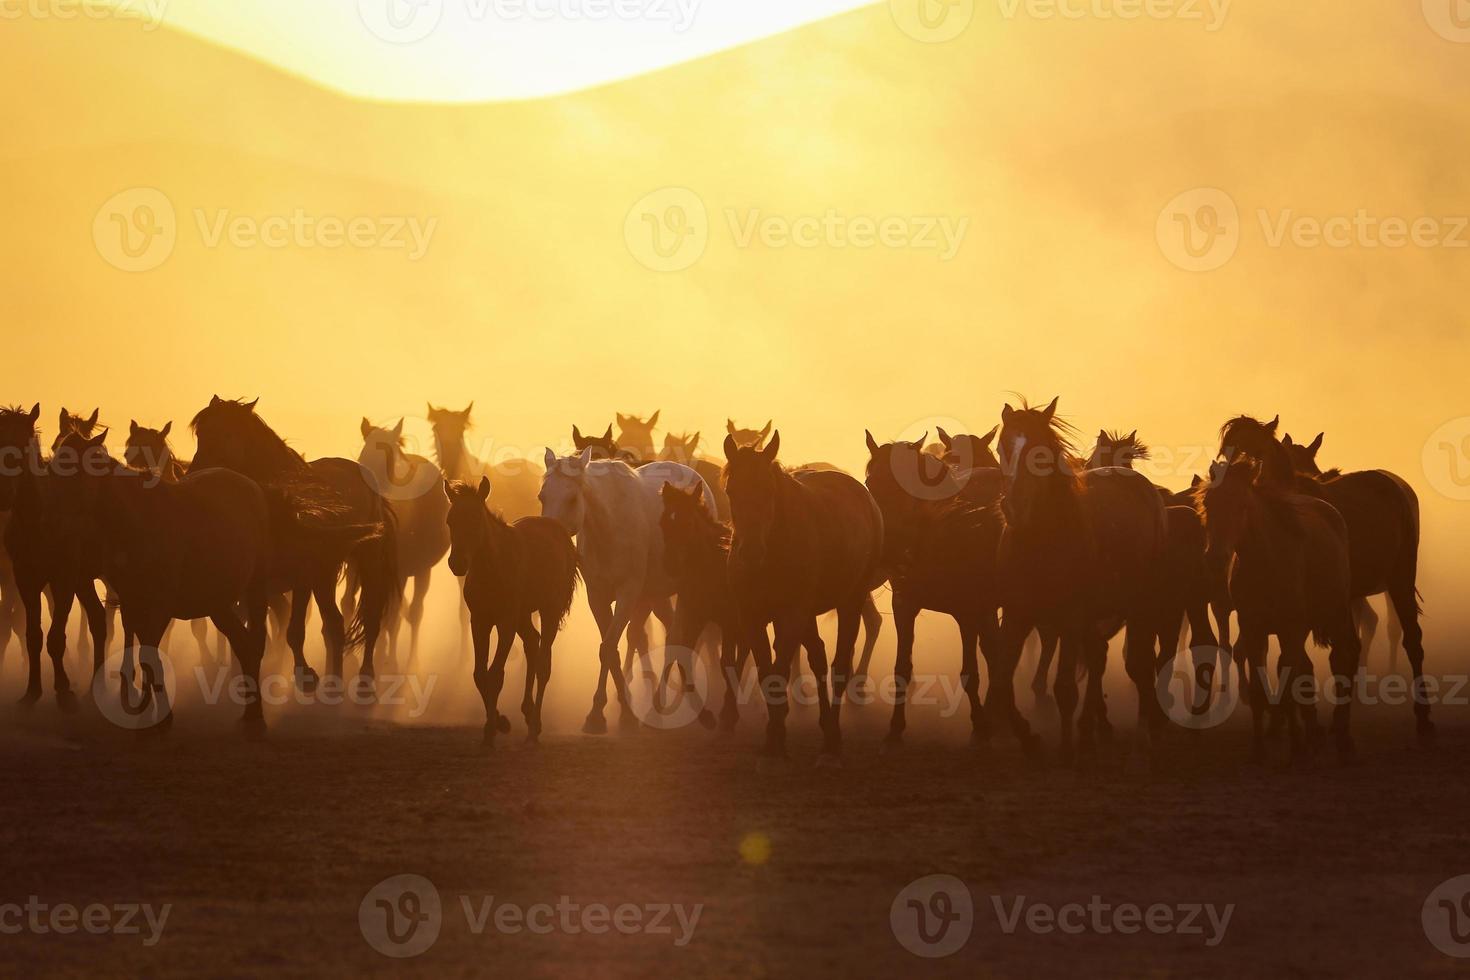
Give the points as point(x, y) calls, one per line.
point(502, 724)
point(594, 725)
point(306, 680)
point(532, 740)
point(29, 699)
point(364, 689)
point(66, 701)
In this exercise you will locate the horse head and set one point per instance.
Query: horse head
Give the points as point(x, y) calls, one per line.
point(752, 482)
point(748, 437)
point(1224, 501)
point(683, 521)
point(563, 488)
point(680, 448)
point(69, 423)
point(1113, 449)
point(19, 449)
point(637, 435)
point(969, 452)
point(603, 446)
point(147, 450)
point(224, 430)
point(1303, 457)
point(468, 522)
point(1035, 450)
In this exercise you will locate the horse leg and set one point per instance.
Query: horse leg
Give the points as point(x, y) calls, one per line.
point(491, 680)
point(1065, 689)
point(61, 604)
point(306, 678)
point(150, 662)
point(1092, 722)
point(1344, 659)
point(849, 617)
point(904, 615)
point(415, 613)
point(601, 605)
point(788, 643)
point(93, 609)
point(1250, 657)
point(732, 656)
point(200, 629)
point(1049, 639)
point(638, 643)
point(531, 647)
point(334, 630)
point(1294, 671)
point(464, 624)
point(1405, 599)
point(970, 677)
point(1365, 623)
point(773, 690)
point(543, 660)
point(623, 608)
point(1142, 665)
point(1395, 634)
point(872, 626)
point(246, 643)
point(1010, 634)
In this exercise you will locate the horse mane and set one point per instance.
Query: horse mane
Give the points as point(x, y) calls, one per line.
point(459, 488)
point(256, 428)
point(1244, 421)
point(1130, 442)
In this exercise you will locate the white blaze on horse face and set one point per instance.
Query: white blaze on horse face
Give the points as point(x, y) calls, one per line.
point(1012, 457)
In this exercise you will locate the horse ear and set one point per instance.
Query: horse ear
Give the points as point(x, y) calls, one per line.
point(577, 439)
point(694, 442)
point(1195, 481)
point(251, 405)
point(585, 456)
point(667, 490)
point(730, 426)
point(653, 419)
point(1271, 426)
point(35, 412)
point(919, 442)
point(484, 488)
point(132, 427)
point(767, 430)
point(1051, 408)
point(872, 443)
point(97, 440)
point(985, 439)
point(1316, 444)
point(61, 420)
point(214, 400)
point(1007, 412)
point(1102, 436)
point(167, 428)
point(92, 419)
point(1286, 440)
point(945, 439)
point(366, 427)
point(770, 451)
point(467, 409)
point(622, 420)
point(608, 434)
point(730, 447)
point(431, 409)
point(1133, 436)
point(550, 458)
point(398, 430)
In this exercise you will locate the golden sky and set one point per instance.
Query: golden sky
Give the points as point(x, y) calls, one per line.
point(863, 222)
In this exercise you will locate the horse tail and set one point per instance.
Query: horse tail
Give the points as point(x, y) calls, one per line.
point(564, 601)
point(313, 532)
point(377, 568)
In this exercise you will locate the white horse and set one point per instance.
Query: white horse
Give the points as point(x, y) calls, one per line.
point(613, 510)
point(411, 485)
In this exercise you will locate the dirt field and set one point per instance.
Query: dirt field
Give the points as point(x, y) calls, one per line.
point(265, 852)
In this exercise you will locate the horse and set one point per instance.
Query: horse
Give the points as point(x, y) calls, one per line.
point(969, 452)
point(410, 485)
point(515, 480)
point(173, 550)
point(613, 511)
point(39, 561)
point(681, 449)
point(1382, 516)
point(341, 498)
point(636, 436)
point(1290, 574)
point(510, 571)
point(603, 446)
point(751, 438)
point(697, 556)
point(803, 543)
point(1304, 460)
point(940, 555)
point(1083, 553)
point(85, 426)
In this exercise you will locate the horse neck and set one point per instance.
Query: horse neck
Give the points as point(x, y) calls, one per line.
point(493, 549)
point(1265, 534)
point(1059, 497)
point(455, 458)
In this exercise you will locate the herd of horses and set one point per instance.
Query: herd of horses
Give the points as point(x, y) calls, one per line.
point(1010, 533)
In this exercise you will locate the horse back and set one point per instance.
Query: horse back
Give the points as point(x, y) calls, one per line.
point(1381, 513)
point(551, 573)
point(847, 546)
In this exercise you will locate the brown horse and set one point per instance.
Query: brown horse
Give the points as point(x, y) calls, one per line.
point(1289, 573)
point(969, 452)
point(697, 556)
point(195, 548)
point(41, 561)
point(636, 436)
point(940, 555)
point(1082, 553)
point(682, 449)
point(1382, 517)
point(803, 543)
point(341, 497)
point(510, 572)
point(1304, 460)
point(748, 438)
point(603, 446)
point(85, 426)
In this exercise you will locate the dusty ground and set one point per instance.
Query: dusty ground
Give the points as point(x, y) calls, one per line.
point(266, 851)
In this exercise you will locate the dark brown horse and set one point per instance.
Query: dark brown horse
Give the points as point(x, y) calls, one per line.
point(1082, 553)
point(1289, 574)
point(940, 555)
point(603, 446)
point(697, 556)
point(148, 451)
point(199, 547)
point(341, 496)
point(1382, 516)
point(510, 572)
point(804, 543)
point(969, 452)
point(1304, 460)
point(41, 561)
point(635, 435)
point(682, 449)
